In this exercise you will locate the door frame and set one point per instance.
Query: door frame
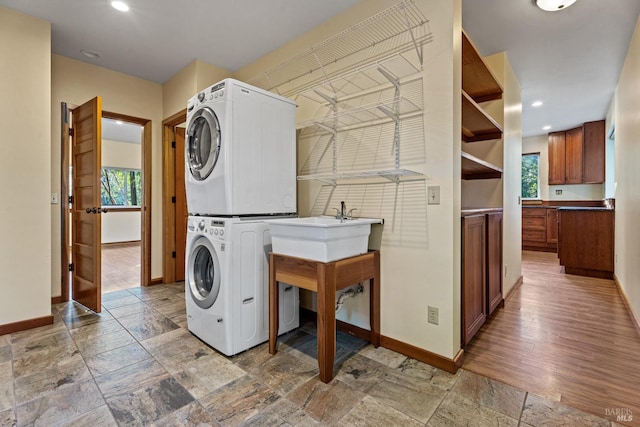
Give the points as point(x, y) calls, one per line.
point(145, 209)
point(168, 191)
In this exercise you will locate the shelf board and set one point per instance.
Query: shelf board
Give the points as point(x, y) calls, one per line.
point(476, 124)
point(477, 79)
point(475, 168)
point(394, 175)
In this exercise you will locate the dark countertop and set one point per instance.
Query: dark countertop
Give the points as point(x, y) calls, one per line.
point(583, 208)
point(478, 211)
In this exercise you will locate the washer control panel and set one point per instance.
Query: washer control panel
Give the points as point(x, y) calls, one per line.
point(207, 226)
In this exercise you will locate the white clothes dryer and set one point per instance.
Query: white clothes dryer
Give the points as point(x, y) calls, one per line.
point(240, 151)
point(226, 284)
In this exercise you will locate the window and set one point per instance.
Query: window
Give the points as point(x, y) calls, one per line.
point(120, 187)
point(531, 176)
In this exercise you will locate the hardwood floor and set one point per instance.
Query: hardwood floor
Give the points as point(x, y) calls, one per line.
point(120, 266)
point(567, 338)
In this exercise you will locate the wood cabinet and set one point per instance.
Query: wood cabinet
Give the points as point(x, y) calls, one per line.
point(556, 158)
point(494, 261)
point(478, 85)
point(586, 241)
point(474, 297)
point(577, 156)
point(481, 270)
point(594, 153)
point(539, 229)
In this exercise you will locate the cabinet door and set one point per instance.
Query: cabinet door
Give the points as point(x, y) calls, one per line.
point(573, 153)
point(474, 303)
point(494, 261)
point(594, 153)
point(552, 226)
point(556, 158)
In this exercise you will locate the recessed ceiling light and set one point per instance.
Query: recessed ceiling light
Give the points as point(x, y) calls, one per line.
point(536, 103)
point(546, 128)
point(553, 5)
point(92, 54)
point(120, 5)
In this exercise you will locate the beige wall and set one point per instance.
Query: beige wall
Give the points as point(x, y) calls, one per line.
point(540, 144)
point(627, 154)
point(25, 91)
point(196, 76)
point(427, 271)
point(76, 82)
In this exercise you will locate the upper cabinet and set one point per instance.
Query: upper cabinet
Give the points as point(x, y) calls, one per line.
point(478, 85)
point(577, 156)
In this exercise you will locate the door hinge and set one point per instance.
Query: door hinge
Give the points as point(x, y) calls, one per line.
point(70, 267)
point(70, 131)
point(173, 144)
point(173, 254)
point(71, 199)
point(173, 199)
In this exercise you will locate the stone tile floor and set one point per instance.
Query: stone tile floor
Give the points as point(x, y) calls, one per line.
point(137, 364)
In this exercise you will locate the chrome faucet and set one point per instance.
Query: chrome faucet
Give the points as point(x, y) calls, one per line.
point(342, 214)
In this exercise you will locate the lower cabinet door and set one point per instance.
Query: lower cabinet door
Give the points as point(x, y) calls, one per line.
point(474, 302)
point(494, 261)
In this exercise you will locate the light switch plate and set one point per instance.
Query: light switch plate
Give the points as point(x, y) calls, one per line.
point(433, 194)
point(54, 198)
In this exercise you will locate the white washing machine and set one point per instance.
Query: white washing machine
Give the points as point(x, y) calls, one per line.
point(240, 151)
point(226, 284)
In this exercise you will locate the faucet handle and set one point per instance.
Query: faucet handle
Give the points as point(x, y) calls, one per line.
point(338, 213)
point(349, 213)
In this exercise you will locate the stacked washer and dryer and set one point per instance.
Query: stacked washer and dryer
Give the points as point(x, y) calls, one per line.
point(240, 170)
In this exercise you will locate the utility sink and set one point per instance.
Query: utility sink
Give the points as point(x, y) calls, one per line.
point(321, 238)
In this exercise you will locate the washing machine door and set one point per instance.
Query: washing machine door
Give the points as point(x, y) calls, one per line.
point(203, 143)
point(203, 273)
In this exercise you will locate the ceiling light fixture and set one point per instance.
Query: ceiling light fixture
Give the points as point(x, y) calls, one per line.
point(122, 6)
point(91, 54)
point(546, 127)
point(553, 5)
point(536, 103)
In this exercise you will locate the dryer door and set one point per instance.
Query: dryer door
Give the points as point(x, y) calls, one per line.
point(203, 143)
point(203, 273)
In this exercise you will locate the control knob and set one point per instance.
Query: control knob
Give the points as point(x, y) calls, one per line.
point(201, 225)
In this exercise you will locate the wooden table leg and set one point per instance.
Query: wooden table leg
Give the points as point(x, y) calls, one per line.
point(374, 301)
point(273, 305)
point(326, 320)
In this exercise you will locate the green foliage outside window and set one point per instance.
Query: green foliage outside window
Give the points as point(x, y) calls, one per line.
point(120, 187)
point(531, 176)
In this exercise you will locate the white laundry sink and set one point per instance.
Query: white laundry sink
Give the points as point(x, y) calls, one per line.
point(321, 238)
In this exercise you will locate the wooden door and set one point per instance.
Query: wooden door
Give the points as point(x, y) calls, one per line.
point(594, 153)
point(556, 158)
point(474, 300)
point(86, 207)
point(181, 205)
point(573, 152)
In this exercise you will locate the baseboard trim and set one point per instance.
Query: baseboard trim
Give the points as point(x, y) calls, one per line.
point(627, 304)
point(23, 325)
point(433, 359)
point(156, 281)
point(515, 286)
point(449, 365)
point(350, 329)
point(56, 300)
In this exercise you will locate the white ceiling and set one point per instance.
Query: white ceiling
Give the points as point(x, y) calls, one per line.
point(570, 59)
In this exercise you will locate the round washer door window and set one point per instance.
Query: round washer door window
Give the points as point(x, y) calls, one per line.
point(203, 143)
point(204, 273)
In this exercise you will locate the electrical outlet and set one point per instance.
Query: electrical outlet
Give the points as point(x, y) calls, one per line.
point(432, 315)
point(433, 193)
point(558, 192)
point(54, 198)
